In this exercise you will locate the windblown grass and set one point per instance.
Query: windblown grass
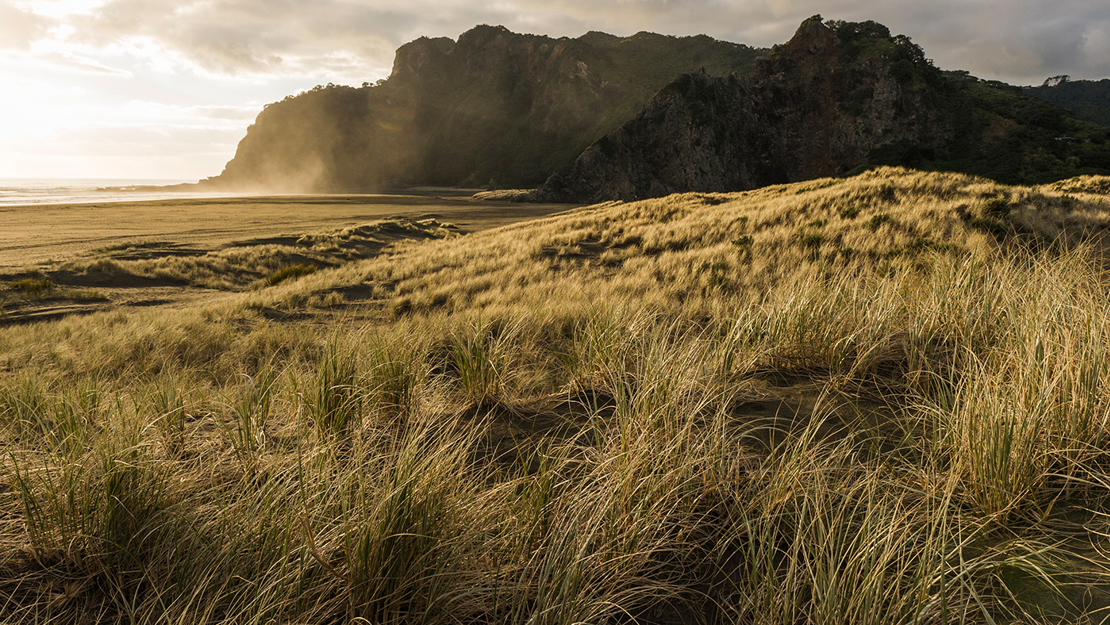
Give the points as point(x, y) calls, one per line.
point(695, 250)
point(33, 290)
point(239, 265)
point(588, 427)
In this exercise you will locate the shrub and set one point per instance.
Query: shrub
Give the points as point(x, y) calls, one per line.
point(744, 242)
point(812, 240)
point(988, 225)
point(876, 221)
point(289, 272)
point(851, 212)
point(31, 286)
point(717, 273)
point(996, 207)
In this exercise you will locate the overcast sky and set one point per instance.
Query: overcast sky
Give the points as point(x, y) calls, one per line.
point(166, 88)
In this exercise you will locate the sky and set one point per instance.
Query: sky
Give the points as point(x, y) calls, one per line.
point(165, 89)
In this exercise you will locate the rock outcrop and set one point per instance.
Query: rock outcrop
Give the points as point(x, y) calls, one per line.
point(648, 115)
point(492, 105)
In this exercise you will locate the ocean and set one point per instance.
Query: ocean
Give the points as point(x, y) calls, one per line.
point(14, 191)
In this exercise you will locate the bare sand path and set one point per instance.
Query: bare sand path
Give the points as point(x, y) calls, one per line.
point(34, 234)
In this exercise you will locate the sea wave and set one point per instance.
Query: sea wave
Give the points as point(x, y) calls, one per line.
point(23, 191)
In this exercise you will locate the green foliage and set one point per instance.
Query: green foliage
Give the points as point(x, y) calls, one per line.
point(59, 421)
point(851, 212)
point(166, 402)
point(483, 116)
point(877, 221)
point(289, 272)
point(989, 225)
point(478, 358)
point(396, 376)
point(101, 511)
point(743, 242)
point(716, 274)
point(401, 552)
point(332, 395)
point(811, 240)
point(31, 287)
point(997, 131)
point(23, 407)
point(250, 411)
point(996, 207)
point(1089, 100)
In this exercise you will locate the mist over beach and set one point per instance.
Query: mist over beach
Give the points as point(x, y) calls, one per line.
point(14, 191)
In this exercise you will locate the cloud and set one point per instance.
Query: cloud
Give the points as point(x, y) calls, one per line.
point(232, 113)
point(353, 39)
point(123, 151)
point(82, 64)
point(212, 63)
point(270, 37)
point(20, 28)
point(1020, 41)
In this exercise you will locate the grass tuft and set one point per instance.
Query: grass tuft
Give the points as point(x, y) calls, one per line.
point(332, 394)
point(31, 287)
point(289, 272)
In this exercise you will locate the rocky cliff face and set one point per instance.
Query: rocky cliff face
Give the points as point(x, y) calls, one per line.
point(817, 106)
point(838, 97)
point(492, 105)
point(647, 115)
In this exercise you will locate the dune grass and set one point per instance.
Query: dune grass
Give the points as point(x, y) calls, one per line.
point(37, 290)
point(578, 420)
point(237, 266)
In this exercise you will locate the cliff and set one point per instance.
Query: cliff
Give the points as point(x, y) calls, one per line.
point(838, 97)
point(491, 105)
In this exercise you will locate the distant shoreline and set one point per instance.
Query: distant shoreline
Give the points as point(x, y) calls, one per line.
point(195, 187)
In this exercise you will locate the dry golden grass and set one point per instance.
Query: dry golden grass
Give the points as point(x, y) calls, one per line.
point(685, 410)
point(250, 263)
point(695, 250)
point(182, 252)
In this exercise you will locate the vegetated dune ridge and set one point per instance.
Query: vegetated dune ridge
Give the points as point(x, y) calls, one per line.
point(693, 250)
point(869, 400)
point(82, 258)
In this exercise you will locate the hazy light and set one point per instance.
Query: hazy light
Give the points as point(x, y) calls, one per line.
point(112, 87)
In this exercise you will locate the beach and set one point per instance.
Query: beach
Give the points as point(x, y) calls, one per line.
point(42, 233)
